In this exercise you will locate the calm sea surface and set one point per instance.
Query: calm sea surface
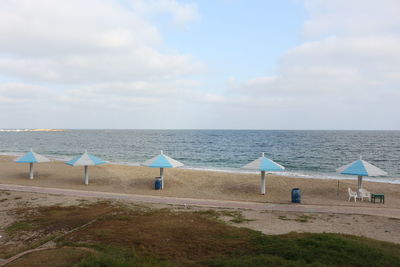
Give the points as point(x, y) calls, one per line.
point(303, 153)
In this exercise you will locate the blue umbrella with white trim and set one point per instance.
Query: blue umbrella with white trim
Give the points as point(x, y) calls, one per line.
point(31, 157)
point(162, 161)
point(360, 168)
point(85, 160)
point(263, 164)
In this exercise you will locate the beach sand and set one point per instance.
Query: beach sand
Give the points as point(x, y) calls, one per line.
point(207, 185)
point(268, 222)
point(192, 183)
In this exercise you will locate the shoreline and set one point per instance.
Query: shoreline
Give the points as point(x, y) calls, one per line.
point(32, 130)
point(186, 183)
point(288, 174)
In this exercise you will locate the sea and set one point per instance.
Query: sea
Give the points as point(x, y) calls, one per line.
point(304, 153)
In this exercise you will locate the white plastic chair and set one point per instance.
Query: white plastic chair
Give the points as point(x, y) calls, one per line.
point(365, 194)
point(352, 195)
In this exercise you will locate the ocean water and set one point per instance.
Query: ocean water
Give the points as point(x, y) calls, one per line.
point(303, 153)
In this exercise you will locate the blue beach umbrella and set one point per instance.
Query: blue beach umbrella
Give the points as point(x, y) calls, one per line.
point(162, 161)
point(360, 168)
point(263, 164)
point(85, 160)
point(31, 157)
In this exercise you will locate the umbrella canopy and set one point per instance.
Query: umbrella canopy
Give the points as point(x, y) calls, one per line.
point(263, 164)
point(360, 168)
point(85, 160)
point(162, 161)
point(31, 157)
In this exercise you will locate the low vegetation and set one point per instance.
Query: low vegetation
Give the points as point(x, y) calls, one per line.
point(19, 227)
point(59, 257)
point(233, 216)
point(299, 218)
point(304, 218)
point(116, 235)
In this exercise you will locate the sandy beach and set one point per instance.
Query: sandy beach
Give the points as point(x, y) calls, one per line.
point(192, 183)
point(203, 185)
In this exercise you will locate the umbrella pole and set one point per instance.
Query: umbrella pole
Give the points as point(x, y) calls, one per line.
point(162, 177)
point(337, 191)
point(31, 170)
point(359, 186)
point(262, 182)
point(86, 175)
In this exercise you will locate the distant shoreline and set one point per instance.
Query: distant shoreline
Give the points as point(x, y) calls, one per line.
point(32, 130)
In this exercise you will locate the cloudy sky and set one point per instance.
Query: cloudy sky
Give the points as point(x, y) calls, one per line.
point(214, 64)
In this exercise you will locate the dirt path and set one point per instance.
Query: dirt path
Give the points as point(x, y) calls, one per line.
point(376, 210)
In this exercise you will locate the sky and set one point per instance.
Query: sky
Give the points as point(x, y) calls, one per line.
point(205, 64)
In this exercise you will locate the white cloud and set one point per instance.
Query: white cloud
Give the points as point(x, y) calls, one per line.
point(17, 93)
point(54, 27)
point(101, 64)
point(351, 17)
point(182, 13)
point(141, 64)
point(88, 41)
point(347, 67)
point(93, 63)
point(132, 96)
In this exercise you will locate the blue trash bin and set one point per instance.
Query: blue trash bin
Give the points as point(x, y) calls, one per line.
point(158, 183)
point(296, 195)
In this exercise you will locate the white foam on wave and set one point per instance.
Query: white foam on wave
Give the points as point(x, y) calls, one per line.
point(126, 163)
point(50, 156)
point(302, 175)
point(16, 154)
point(15, 130)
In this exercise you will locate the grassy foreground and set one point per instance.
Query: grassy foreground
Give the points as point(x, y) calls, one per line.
point(114, 235)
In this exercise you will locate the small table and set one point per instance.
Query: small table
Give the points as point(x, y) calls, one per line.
point(381, 198)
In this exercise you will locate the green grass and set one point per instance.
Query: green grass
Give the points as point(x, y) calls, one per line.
point(62, 257)
point(209, 213)
point(304, 218)
point(314, 250)
point(162, 237)
point(236, 216)
point(118, 258)
point(19, 226)
point(299, 218)
point(283, 218)
point(103, 259)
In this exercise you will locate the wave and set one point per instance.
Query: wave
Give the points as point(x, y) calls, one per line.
point(301, 175)
point(31, 130)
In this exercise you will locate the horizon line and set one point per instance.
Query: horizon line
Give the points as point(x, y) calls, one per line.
point(200, 129)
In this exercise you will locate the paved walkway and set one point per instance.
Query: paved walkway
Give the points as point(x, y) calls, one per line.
point(376, 211)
